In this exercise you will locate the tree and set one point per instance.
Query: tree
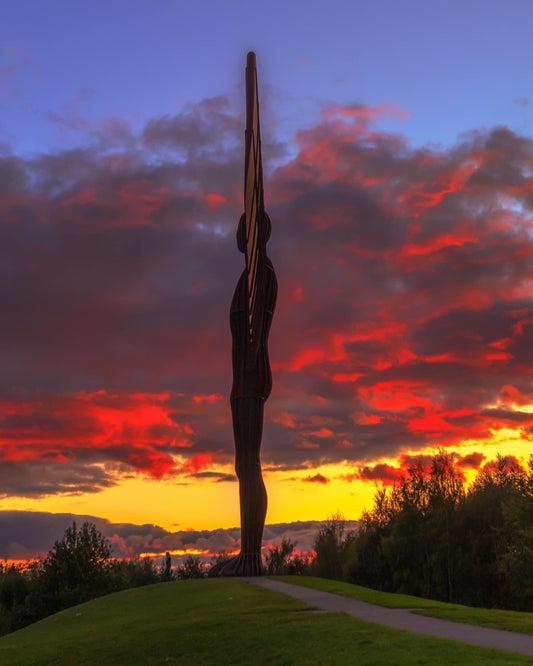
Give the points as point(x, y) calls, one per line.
point(191, 568)
point(430, 537)
point(13, 586)
point(330, 545)
point(123, 574)
point(278, 557)
point(75, 570)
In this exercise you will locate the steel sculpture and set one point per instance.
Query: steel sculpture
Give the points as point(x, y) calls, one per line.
point(251, 314)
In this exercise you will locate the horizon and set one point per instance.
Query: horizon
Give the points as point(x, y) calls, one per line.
point(398, 164)
point(40, 530)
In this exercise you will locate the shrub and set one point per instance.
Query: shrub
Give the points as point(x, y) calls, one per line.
point(191, 568)
point(277, 558)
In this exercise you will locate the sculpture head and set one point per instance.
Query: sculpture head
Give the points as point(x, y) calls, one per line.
point(265, 227)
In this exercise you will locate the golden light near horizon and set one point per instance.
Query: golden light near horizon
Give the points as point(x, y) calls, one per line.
point(401, 234)
point(293, 495)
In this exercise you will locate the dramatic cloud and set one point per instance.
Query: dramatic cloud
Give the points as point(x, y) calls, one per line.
point(472, 461)
point(378, 473)
point(404, 320)
point(424, 463)
point(26, 535)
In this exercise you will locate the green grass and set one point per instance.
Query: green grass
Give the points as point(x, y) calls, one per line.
point(222, 622)
point(483, 617)
point(384, 599)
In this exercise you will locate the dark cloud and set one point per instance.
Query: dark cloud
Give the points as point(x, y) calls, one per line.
point(472, 460)
point(378, 473)
point(316, 478)
point(218, 477)
point(421, 463)
point(41, 478)
point(209, 127)
point(404, 318)
point(25, 534)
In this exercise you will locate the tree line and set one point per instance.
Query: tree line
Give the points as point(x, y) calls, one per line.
point(431, 536)
point(78, 568)
point(428, 535)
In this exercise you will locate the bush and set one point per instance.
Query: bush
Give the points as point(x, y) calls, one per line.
point(330, 547)
point(75, 569)
point(78, 568)
point(191, 568)
point(278, 557)
point(13, 587)
point(124, 574)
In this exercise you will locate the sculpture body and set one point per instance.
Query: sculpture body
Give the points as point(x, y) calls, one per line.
point(251, 314)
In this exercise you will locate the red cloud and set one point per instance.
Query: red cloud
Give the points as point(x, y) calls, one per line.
point(381, 472)
point(412, 464)
point(435, 245)
point(472, 460)
point(306, 358)
point(363, 113)
point(406, 319)
point(419, 460)
point(286, 420)
point(198, 463)
point(323, 433)
point(215, 200)
point(132, 205)
point(397, 396)
point(214, 397)
point(138, 429)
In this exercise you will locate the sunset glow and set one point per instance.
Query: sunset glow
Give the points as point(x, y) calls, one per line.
point(404, 322)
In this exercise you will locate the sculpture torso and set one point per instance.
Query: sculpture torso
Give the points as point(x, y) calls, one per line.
point(251, 369)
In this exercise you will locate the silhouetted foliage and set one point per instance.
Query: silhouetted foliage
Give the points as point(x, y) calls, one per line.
point(124, 574)
point(13, 586)
point(78, 568)
point(281, 560)
point(191, 568)
point(298, 565)
point(220, 558)
point(331, 545)
point(277, 558)
point(428, 536)
point(75, 569)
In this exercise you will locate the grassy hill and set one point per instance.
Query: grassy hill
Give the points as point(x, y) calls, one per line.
point(221, 622)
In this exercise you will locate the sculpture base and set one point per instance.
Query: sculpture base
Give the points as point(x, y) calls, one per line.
point(244, 564)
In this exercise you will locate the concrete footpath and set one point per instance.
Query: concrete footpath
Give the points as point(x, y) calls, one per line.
point(403, 618)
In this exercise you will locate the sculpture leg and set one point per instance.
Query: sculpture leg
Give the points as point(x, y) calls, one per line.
point(252, 492)
point(247, 427)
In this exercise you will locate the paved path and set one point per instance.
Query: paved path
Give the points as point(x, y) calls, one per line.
point(403, 618)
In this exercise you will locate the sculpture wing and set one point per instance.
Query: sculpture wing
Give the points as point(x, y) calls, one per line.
point(253, 189)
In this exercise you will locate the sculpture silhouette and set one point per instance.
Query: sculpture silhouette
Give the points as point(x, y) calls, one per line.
point(251, 314)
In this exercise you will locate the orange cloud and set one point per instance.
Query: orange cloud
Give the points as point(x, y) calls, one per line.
point(317, 478)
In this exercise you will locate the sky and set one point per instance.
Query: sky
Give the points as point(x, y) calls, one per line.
point(399, 179)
